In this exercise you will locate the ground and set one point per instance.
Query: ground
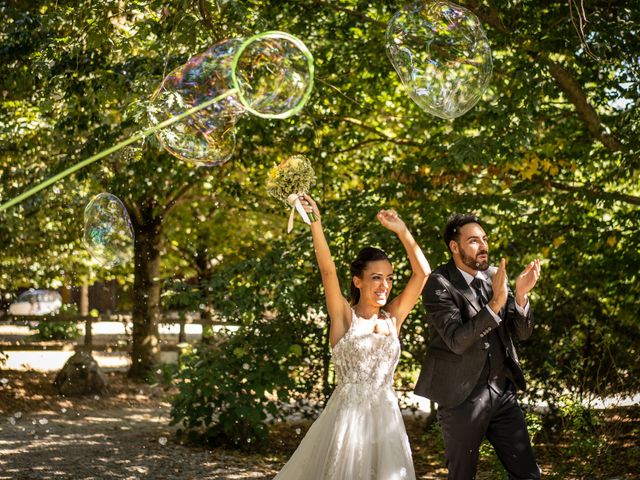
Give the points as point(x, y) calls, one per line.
point(126, 435)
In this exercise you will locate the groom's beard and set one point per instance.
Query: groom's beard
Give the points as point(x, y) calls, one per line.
point(473, 262)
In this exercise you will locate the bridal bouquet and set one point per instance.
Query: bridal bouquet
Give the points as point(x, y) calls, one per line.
point(286, 182)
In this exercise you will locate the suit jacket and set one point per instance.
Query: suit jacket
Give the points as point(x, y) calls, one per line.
point(457, 326)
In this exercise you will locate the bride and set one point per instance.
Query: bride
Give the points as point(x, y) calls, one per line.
point(360, 435)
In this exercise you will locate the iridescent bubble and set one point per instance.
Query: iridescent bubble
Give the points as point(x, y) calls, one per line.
point(270, 75)
point(442, 56)
point(108, 234)
point(207, 135)
point(273, 74)
point(191, 144)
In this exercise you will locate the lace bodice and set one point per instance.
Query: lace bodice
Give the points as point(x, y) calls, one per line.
point(364, 357)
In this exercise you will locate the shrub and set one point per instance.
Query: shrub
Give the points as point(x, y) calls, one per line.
point(56, 330)
point(228, 393)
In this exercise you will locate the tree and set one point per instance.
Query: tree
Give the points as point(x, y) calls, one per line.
point(77, 68)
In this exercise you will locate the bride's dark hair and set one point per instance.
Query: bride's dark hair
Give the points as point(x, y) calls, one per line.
point(366, 255)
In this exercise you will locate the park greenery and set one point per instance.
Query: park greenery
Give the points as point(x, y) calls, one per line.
point(548, 159)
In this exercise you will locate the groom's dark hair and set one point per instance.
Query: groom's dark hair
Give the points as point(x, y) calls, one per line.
point(454, 223)
point(366, 255)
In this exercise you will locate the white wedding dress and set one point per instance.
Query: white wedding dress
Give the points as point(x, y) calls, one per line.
point(360, 435)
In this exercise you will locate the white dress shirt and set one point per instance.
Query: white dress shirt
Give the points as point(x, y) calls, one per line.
point(469, 278)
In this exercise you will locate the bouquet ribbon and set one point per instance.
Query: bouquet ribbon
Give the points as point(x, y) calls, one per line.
point(294, 201)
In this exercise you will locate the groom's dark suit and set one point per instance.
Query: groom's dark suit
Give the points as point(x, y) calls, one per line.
point(471, 371)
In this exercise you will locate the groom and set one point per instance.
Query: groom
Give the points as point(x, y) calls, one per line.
point(471, 370)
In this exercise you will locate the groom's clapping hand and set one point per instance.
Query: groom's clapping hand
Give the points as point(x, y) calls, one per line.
point(500, 288)
point(526, 281)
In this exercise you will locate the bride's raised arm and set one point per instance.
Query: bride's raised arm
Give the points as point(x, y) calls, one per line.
point(337, 306)
point(402, 305)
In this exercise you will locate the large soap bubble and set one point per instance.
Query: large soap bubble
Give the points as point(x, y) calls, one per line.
point(186, 141)
point(273, 74)
point(442, 56)
point(205, 136)
point(108, 234)
point(269, 75)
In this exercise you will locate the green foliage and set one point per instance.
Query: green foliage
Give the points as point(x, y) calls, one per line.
point(586, 437)
point(56, 330)
point(228, 392)
point(582, 425)
point(534, 425)
point(230, 389)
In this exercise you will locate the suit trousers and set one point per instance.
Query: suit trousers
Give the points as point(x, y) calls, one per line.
point(499, 418)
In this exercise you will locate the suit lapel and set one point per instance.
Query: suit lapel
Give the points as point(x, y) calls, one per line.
point(458, 281)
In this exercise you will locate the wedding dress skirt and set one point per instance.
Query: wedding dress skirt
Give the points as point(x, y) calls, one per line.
point(360, 435)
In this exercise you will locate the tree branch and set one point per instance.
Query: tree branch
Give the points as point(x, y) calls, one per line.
point(134, 211)
point(564, 79)
point(488, 15)
point(181, 193)
point(585, 111)
point(369, 128)
point(595, 191)
point(186, 255)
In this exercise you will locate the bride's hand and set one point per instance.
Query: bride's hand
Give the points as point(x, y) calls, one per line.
point(309, 205)
point(390, 220)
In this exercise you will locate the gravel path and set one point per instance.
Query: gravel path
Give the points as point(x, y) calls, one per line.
point(123, 435)
point(124, 443)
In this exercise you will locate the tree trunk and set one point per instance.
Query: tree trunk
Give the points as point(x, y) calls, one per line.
point(84, 296)
point(145, 352)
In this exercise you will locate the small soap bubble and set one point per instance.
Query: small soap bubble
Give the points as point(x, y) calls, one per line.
point(108, 234)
